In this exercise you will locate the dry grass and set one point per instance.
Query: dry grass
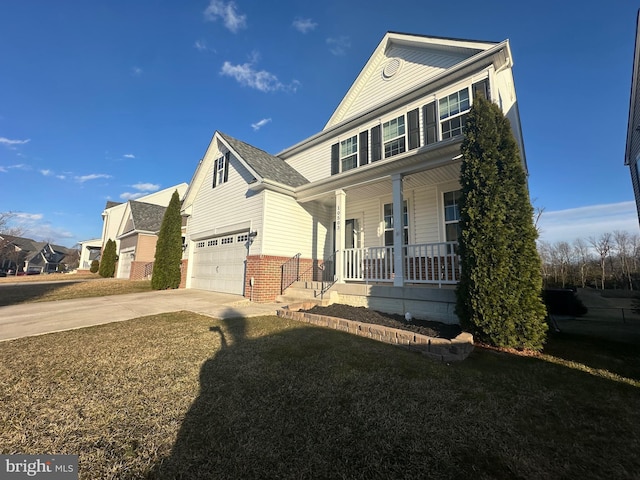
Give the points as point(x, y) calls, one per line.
point(53, 277)
point(78, 288)
point(185, 396)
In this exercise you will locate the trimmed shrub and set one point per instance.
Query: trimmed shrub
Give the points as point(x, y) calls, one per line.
point(95, 265)
point(108, 259)
point(499, 294)
point(168, 257)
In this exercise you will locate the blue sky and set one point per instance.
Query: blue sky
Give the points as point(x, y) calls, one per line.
point(110, 99)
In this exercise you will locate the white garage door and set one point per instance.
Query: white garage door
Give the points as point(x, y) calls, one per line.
point(124, 264)
point(219, 263)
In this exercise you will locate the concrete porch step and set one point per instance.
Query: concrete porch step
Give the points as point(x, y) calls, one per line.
point(305, 292)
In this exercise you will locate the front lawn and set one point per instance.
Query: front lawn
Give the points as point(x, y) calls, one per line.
point(69, 288)
point(186, 396)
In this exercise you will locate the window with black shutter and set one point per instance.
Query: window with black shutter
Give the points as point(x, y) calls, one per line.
point(481, 88)
point(376, 144)
point(335, 158)
point(364, 148)
point(414, 129)
point(430, 124)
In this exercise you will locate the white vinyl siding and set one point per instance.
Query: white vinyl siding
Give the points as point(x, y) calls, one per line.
point(219, 209)
point(425, 224)
point(291, 228)
point(418, 65)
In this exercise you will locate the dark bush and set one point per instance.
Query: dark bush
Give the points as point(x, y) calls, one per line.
point(95, 266)
point(563, 301)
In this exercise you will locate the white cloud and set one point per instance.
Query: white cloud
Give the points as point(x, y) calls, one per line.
point(201, 45)
point(131, 196)
point(46, 173)
point(18, 166)
point(29, 217)
point(339, 45)
point(233, 20)
point(92, 176)
point(258, 125)
point(589, 221)
point(304, 25)
point(129, 155)
point(8, 142)
point(61, 177)
point(260, 80)
point(136, 71)
point(146, 187)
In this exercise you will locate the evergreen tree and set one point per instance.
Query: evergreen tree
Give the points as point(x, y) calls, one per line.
point(108, 260)
point(95, 265)
point(166, 267)
point(499, 295)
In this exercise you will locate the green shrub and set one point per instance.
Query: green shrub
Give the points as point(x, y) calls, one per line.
point(95, 265)
point(168, 256)
point(108, 260)
point(499, 294)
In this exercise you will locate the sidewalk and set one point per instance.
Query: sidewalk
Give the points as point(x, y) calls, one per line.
point(18, 321)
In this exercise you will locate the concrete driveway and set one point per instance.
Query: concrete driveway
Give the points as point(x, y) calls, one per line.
point(45, 317)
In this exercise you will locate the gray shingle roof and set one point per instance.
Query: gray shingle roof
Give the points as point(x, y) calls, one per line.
point(112, 204)
point(146, 216)
point(266, 165)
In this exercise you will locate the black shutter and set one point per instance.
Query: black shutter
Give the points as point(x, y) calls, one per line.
point(335, 158)
point(376, 144)
point(481, 88)
point(364, 148)
point(414, 129)
point(430, 124)
point(215, 172)
point(226, 166)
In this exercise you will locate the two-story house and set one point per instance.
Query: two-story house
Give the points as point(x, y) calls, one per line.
point(371, 200)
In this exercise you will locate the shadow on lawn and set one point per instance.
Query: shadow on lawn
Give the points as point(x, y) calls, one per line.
point(318, 403)
point(25, 292)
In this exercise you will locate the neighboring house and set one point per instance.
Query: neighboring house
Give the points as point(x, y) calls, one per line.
point(632, 151)
point(134, 226)
point(89, 251)
point(26, 255)
point(371, 201)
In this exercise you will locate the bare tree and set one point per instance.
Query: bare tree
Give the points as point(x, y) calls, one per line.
point(583, 257)
point(562, 255)
point(7, 249)
point(624, 250)
point(602, 245)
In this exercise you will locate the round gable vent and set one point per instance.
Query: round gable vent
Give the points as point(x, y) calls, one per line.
point(391, 68)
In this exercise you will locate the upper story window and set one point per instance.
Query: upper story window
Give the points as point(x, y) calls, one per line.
point(221, 170)
point(349, 153)
point(393, 137)
point(453, 113)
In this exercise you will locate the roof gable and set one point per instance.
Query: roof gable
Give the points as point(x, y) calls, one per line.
point(400, 63)
point(146, 217)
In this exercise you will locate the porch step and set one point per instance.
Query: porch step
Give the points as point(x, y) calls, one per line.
point(303, 292)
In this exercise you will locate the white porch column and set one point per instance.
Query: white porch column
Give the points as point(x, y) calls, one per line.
point(398, 231)
point(340, 225)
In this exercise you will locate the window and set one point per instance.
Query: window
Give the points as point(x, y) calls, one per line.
point(243, 238)
point(452, 216)
point(349, 153)
point(393, 137)
point(453, 113)
point(226, 240)
point(388, 223)
point(221, 170)
point(200, 244)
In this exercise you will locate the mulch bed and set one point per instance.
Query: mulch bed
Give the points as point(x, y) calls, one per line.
point(366, 315)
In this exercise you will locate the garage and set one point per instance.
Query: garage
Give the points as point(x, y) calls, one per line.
point(219, 263)
point(124, 263)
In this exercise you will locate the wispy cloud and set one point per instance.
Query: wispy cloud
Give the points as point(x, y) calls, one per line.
point(232, 19)
point(589, 221)
point(129, 155)
point(339, 45)
point(146, 187)
point(9, 142)
point(262, 80)
point(29, 217)
point(258, 125)
point(46, 173)
point(136, 71)
point(143, 189)
point(18, 166)
point(92, 176)
point(202, 46)
point(304, 25)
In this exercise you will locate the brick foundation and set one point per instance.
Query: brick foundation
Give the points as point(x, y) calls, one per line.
point(266, 271)
point(140, 271)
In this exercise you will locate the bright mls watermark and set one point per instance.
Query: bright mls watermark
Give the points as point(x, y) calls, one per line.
point(50, 467)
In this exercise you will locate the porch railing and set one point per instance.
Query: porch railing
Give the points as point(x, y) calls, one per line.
point(290, 272)
point(327, 274)
point(436, 263)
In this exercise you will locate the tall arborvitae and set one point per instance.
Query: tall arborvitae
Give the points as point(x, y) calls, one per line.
point(108, 260)
point(166, 267)
point(499, 295)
